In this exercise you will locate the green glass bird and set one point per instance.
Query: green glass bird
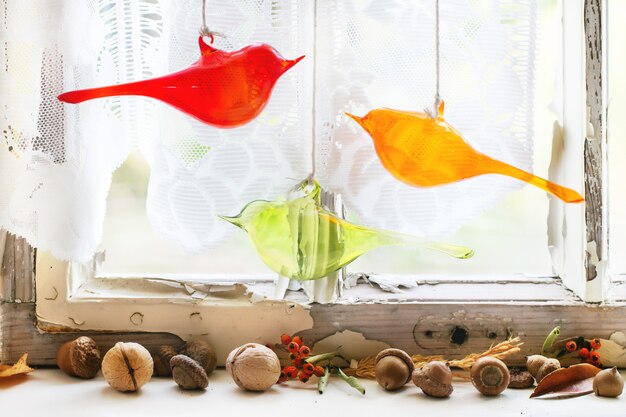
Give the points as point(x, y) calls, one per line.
point(301, 240)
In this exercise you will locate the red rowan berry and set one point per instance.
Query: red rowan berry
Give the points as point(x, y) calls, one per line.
point(309, 368)
point(583, 353)
point(298, 340)
point(298, 362)
point(595, 343)
point(285, 339)
point(291, 371)
point(304, 377)
point(319, 371)
point(570, 346)
point(304, 351)
point(594, 358)
point(293, 347)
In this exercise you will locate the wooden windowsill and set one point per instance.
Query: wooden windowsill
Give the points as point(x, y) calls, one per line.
point(49, 392)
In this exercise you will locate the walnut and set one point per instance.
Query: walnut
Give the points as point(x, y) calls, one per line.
point(253, 367)
point(127, 366)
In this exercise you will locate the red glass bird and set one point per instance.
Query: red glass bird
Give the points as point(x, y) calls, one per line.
point(223, 89)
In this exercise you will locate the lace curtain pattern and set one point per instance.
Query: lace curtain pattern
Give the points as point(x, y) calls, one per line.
point(56, 160)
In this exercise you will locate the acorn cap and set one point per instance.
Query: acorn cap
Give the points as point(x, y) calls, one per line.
point(399, 354)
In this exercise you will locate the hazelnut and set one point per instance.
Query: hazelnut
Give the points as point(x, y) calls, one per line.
point(520, 378)
point(434, 378)
point(534, 362)
point(202, 353)
point(608, 383)
point(162, 360)
point(127, 366)
point(393, 369)
point(188, 373)
point(490, 375)
point(549, 365)
point(253, 367)
point(79, 357)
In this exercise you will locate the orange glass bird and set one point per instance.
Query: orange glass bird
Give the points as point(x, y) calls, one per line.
point(423, 151)
point(223, 89)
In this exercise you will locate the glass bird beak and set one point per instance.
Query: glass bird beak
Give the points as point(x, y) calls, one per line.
point(288, 63)
point(233, 220)
point(362, 121)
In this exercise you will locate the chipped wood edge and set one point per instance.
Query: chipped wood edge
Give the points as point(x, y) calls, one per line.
point(17, 280)
point(594, 22)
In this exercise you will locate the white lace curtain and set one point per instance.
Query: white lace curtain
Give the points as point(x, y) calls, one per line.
point(56, 160)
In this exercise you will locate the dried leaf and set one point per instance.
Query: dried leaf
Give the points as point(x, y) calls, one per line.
point(567, 382)
point(20, 367)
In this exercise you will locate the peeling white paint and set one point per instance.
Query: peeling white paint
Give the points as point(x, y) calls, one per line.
point(225, 315)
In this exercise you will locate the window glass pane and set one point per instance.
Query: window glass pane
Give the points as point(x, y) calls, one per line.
point(616, 135)
point(499, 80)
point(164, 200)
point(499, 66)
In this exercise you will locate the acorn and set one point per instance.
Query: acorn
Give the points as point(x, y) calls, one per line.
point(434, 379)
point(490, 376)
point(79, 358)
point(394, 368)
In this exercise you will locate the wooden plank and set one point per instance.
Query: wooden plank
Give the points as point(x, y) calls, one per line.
point(16, 270)
point(18, 335)
point(595, 141)
point(424, 327)
point(427, 328)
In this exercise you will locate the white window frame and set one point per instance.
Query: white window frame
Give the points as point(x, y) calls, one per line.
point(228, 312)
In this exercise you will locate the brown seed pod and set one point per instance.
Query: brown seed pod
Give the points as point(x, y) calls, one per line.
point(79, 357)
point(393, 368)
point(253, 367)
point(127, 366)
point(608, 383)
point(188, 373)
point(203, 353)
point(162, 360)
point(434, 378)
point(490, 375)
point(549, 365)
point(520, 378)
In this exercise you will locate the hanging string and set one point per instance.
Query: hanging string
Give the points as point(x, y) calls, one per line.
point(311, 176)
point(433, 111)
point(204, 29)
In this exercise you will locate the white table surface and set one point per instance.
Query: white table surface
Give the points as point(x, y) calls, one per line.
point(49, 392)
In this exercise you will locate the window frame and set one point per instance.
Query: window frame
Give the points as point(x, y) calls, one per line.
point(68, 301)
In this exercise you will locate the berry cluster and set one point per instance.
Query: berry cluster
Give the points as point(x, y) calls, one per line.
point(298, 354)
point(587, 350)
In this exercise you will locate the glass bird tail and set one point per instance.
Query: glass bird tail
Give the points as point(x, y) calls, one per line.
point(137, 88)
point(498, 167)
point(365, 239)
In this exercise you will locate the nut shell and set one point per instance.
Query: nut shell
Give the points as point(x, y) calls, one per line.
point(490, 376)
point(188, 373)
point(253, 367)
point(608, 383)
point(520, 378)
point(394, 368)
point(162, 360)
point(549, 365)
point(80, 358)
point(127, 366)
point(534, 362)
point(434, 379)
point(203, 353)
